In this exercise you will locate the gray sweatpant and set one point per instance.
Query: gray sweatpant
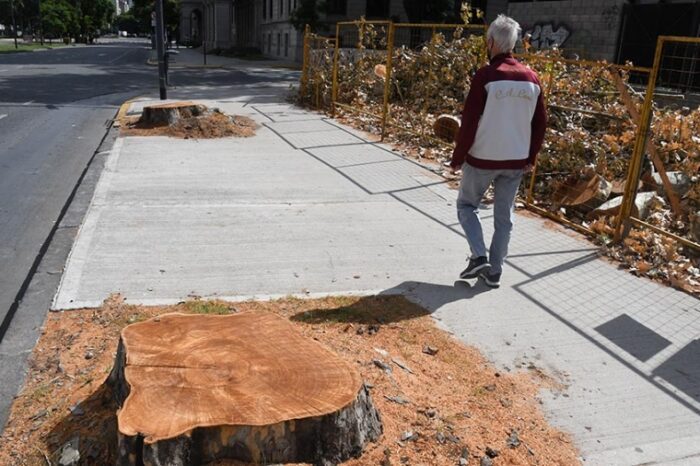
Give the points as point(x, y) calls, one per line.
point(475, 182)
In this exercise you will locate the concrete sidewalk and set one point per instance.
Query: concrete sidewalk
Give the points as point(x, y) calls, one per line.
point(194, 58)
point(308, 207)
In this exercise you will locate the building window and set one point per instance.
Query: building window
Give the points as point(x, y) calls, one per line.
point(340, 7)
point(264, 10)
point(289, 7)
point(281, 8)
point(279, 43)
point(272, 13)
point(377, 9)
point(286, 44)
point(269, 43)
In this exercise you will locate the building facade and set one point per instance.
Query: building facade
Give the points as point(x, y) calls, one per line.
point(614, 30)
point(208, 22)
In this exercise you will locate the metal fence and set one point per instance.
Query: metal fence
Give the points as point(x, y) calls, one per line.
point(620, 152)
point(663, 193)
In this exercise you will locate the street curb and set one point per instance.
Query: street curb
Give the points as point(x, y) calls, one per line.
point(150, 62)
point(123, 109)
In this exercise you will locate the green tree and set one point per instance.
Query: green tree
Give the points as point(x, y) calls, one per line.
point(96, 15)
point(128, 22)
point(142, 10)
point(58, 18)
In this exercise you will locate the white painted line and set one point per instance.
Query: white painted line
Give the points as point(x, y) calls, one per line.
point(27, 103)
point(3, 116)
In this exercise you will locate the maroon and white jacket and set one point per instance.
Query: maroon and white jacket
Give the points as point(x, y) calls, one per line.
point(504, 117)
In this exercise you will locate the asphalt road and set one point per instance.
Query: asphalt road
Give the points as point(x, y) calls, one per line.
point(54, 110)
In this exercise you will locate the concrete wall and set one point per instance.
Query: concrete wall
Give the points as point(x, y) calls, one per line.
point(588, 28)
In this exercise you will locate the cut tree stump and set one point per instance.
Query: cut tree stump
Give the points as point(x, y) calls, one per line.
point(249, 387)
point(446, 127)
point(170, 113)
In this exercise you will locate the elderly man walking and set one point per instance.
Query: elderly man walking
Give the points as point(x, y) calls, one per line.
point(503, 125)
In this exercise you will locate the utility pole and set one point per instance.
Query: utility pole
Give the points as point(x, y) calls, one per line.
point(41, 26)
point(14, 22)
point(160, 49)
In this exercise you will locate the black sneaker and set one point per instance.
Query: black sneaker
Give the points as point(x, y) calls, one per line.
point(475, 266)
point(492, 280)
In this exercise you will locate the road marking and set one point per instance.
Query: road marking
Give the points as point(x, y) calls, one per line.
point(27, 103)
point(3, 116)
point(120, 56)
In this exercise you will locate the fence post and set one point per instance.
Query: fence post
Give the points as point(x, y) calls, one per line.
point(639, 148)
point(305, 64)
point(387, 78)
point(334, 89)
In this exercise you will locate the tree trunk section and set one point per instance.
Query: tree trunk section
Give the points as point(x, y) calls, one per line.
point(197, 388)
point(171, 113)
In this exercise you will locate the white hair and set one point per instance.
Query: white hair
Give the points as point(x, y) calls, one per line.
point(505, 32)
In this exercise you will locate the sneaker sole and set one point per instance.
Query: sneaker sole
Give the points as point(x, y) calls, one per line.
point(491, 284)
point(475, 272)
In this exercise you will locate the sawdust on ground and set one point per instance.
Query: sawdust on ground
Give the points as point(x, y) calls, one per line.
point(208, 126)
point(454, 401)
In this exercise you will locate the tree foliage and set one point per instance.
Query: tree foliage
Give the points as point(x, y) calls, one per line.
point(143, 9)
point(77, 18)
point(58, 18)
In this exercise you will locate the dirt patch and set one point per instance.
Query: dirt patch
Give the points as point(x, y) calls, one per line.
point(208, 124)
point(440, 400)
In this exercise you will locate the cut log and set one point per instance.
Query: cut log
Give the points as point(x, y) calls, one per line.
point(585, 193)
point(249, 387)
point(446, 127)
point(170, 113)
point(380, 71)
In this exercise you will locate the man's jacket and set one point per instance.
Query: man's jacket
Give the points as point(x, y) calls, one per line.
point(504, 117)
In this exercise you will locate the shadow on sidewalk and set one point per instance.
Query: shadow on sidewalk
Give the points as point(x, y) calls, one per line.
point(405, 301)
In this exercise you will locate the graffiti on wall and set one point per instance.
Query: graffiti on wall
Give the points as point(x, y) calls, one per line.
point(544, 36)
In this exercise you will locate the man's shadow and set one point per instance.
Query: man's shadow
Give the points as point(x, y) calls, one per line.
point(408, 300)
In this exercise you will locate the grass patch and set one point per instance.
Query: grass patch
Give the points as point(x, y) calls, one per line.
point(10, 47)
point(209, 307)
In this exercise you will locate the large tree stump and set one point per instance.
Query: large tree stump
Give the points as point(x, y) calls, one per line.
point(170, 113)
point(250, 387)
